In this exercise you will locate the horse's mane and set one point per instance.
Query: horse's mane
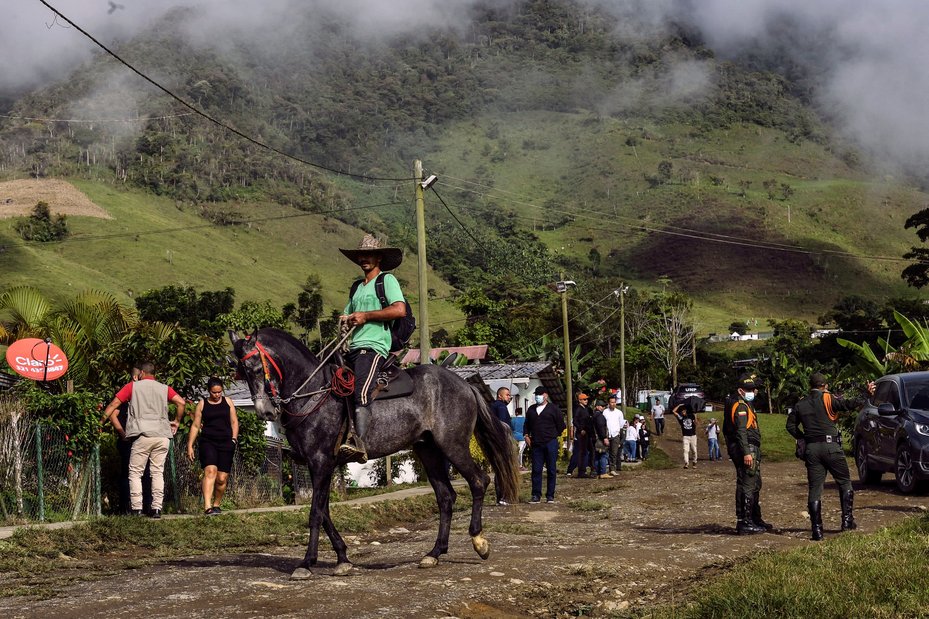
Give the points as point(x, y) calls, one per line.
point(290, 339)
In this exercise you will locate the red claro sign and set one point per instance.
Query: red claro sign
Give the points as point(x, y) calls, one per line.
point(36, 360)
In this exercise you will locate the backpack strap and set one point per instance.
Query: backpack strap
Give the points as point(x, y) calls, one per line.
point(354, 289)
point(379, 290)
point(381, 294)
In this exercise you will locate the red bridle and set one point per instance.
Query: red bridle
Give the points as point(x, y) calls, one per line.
point(266, 358)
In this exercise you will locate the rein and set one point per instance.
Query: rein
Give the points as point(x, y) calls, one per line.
point(342, 383)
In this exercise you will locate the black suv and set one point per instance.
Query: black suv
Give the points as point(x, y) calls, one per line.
point(684, 391)
point(892, 432)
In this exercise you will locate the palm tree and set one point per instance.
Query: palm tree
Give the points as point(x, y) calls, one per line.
point(81, 327)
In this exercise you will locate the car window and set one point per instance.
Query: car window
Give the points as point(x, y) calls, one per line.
point(917, 394)
point(886, 392)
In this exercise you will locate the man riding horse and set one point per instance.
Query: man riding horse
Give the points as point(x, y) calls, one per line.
point(371, 341)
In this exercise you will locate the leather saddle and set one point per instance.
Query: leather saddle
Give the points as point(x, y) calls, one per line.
point(392, 381)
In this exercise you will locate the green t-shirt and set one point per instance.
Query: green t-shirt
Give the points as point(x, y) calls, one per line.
point(372, 334)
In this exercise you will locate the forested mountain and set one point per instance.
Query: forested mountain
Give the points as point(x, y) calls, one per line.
point(567, 138)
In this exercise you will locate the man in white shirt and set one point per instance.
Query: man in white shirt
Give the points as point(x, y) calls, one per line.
point(658, 416)
point(614, 427)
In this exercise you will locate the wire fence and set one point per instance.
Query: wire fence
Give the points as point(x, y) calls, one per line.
point(42, 480)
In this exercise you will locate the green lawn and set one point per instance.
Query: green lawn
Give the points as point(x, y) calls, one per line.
point(776, 444)
point(880, 575)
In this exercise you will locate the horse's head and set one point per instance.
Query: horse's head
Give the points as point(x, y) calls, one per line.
point(261, 372)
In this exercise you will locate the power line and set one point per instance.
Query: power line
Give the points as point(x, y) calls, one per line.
point(711, 237)
point(210, 118)
point(97, 120)
point(463, 227)
point(116, 235)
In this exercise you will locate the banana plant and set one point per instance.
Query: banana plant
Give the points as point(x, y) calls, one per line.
point(912, 355)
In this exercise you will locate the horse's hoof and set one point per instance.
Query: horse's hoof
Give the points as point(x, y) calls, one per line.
point(428, 561)
point(301, 573)
point(481, 546)
point(342, 569)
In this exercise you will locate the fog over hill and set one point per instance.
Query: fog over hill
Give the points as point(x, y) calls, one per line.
point(866, 58)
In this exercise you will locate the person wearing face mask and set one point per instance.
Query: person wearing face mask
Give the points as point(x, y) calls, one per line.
point(743, 441)
point(544, 425)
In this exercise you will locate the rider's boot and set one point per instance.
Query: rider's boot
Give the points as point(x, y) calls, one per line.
point(353, 450)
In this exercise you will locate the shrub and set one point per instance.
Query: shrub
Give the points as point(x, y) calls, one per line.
point(41, 226)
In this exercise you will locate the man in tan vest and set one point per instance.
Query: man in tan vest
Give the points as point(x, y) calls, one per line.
point(150, 431)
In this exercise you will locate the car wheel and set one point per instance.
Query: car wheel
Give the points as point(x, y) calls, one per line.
point(866, 474)
point(903, 469)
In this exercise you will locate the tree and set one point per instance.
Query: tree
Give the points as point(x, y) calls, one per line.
point(855, 313)
point(81, 326)
point(669, 330)
point(184, 306)
point(739, 326)
point(665, 169)
point(309, 306)
point(41, 226)
point(252, 316)
point(917, 274)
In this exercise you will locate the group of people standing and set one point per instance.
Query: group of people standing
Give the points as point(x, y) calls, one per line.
point(601, 438)
point(141, 419)
point(599, 431)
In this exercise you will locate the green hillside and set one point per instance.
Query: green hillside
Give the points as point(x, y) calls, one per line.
point(563, 140)
point(576, 181)
point(152, 242)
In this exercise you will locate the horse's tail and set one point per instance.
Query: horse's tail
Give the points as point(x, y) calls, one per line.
point(498, 447)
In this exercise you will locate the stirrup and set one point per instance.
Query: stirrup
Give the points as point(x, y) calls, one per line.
point(353, 450)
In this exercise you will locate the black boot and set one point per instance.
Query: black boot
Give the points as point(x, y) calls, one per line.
point(745, 525)
point(756, 516)
point(816, 519)
point(353, 450)
point(848, 504)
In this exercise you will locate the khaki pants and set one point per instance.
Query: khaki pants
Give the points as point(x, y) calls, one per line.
point(151, 450)
point(690, 444)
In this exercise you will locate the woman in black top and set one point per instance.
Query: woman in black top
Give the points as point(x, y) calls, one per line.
point(216, 421)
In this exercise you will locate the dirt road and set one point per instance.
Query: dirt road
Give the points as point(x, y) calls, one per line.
point(605, 546)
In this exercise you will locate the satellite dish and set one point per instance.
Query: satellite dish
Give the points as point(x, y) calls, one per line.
point(37, 359)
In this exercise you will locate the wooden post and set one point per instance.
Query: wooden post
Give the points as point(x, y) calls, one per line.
point(567, 358)
point(622, 345)
point(425, 349)
point(39, 471)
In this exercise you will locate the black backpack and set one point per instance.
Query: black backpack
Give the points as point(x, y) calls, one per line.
point(401, 329)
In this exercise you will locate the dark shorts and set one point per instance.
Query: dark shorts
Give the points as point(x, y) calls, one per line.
point(216, 453)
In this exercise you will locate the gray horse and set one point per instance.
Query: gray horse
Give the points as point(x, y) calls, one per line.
point(437, 420)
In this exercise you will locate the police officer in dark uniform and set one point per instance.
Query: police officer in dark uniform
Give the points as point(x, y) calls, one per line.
point(743, 442)
point(817, 413)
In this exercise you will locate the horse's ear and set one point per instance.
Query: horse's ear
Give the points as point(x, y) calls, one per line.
point(254, 334)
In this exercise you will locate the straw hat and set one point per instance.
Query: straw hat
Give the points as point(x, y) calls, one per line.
point(391, 257)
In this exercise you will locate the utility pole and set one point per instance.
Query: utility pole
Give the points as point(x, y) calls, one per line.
point(425, 349)
point(562, 288)
point(621, 292)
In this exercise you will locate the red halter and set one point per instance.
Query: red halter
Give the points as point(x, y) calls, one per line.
point(266, 358)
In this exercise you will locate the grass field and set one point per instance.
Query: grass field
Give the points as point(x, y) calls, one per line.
point(579, 182)
point(881, 575)
point(152, 242)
